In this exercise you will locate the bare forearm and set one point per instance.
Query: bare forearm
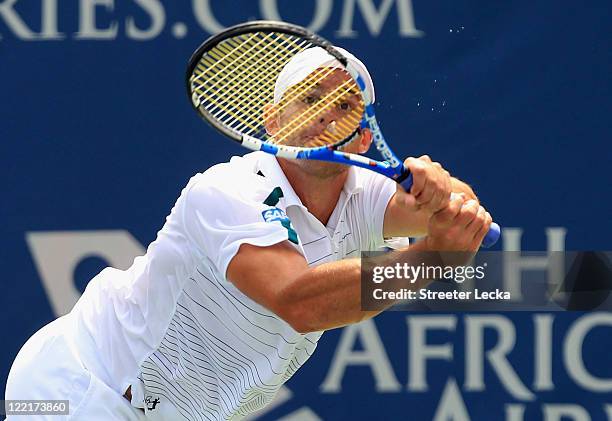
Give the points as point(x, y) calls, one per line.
point(329, 295)
point(311, 299)
point(403, 221)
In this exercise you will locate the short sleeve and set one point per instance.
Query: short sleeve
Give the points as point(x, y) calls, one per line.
point(218, 218)
point(377, 192)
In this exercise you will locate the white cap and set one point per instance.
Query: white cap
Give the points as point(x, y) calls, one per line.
point(307, 61)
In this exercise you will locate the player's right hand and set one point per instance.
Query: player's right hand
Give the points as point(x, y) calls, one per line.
point(460, 226)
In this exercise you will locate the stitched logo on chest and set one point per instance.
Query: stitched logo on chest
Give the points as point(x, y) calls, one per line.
point(274, 214)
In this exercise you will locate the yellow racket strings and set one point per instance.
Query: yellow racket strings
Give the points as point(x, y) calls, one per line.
point(235, 81)
point(248, 86)
point(237, 77)
point(343, 127)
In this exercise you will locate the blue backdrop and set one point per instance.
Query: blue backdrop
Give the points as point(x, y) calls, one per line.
point(97, 139)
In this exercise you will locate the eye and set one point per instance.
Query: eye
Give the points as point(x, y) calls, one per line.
point(310, 99)
point(345, 106)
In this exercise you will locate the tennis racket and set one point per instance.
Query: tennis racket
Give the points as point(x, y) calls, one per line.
point(281, 89)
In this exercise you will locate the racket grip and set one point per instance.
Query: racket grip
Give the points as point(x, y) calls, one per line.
point(494, 230)
point(492, 236)
point(406, 183)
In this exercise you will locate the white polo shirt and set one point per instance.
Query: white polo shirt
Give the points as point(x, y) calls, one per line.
point(188, 342)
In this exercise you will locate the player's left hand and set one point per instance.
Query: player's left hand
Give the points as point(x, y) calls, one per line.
point(431, 188)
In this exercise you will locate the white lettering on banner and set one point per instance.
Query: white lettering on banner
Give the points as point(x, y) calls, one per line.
point(87, 21)
point(205, 17)
point(49, 28)
point(375, 19)
point(14, 21)
point(57, 253)
point(608, 409)
point(542, 352)
point(559, 412)
point(323, 10)
point(49, 25)
point(374, 13)
point(476, 355)
point(497, 356)
point(515, 264)
point(156, 13)
point(419, 352)
point(514, 412)
point(572, 352)
point(451, 406)
point(373, 355)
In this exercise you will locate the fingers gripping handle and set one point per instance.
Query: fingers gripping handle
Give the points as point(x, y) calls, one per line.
point(405, 180)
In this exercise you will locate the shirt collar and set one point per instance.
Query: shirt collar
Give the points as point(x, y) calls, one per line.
point(269, 167)
point(354, 181)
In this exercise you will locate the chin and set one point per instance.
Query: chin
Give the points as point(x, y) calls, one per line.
point(322, 169)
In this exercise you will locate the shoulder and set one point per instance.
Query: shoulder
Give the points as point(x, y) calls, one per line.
point(370, 181)
point(236, 180)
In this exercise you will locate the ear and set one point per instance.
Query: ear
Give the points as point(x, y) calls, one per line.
point(270, 118)
point(365, 141)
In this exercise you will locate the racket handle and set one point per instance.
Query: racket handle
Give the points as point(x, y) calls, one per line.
point(406, 182)
point(492, 236)
point(494, 230)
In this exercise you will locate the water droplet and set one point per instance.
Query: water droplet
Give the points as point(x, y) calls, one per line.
point(450, 30)
point(418, 104)
point(179, 30)
point(444, 103)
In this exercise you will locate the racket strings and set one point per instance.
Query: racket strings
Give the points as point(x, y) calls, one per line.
point(231, 63)
point(252, 71)
point(235, 81)
point(217, 95)
point(256, 118)
point(242, 99)
point(304, 86)
point(249, 95)
point(310, 115)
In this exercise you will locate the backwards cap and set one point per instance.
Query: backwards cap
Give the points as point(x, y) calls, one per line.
point(307, 61)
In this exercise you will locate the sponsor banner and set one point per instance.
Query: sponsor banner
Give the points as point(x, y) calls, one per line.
point(97, 139)
point(150, 20)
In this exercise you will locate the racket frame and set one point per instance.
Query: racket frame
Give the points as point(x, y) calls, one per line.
point(391, 167)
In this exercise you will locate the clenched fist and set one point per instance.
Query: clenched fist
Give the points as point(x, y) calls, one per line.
point(431, 188)
point(460, 226)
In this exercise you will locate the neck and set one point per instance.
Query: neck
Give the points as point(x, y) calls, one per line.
point(318, 192)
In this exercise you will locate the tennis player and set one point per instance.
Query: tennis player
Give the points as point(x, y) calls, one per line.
point(257, 258)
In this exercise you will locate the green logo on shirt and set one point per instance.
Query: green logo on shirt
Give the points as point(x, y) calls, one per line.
point(277, 214)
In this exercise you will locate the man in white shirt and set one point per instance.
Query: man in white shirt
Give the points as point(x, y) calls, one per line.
point(258, 257)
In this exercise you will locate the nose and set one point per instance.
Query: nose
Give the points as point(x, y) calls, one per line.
point(327, 116)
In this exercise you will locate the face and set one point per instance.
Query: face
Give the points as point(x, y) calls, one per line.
point(323, 109)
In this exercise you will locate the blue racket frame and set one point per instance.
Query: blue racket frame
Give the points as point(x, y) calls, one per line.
point(391, 167)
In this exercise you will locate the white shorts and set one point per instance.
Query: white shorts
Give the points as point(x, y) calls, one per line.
point(49, 368)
